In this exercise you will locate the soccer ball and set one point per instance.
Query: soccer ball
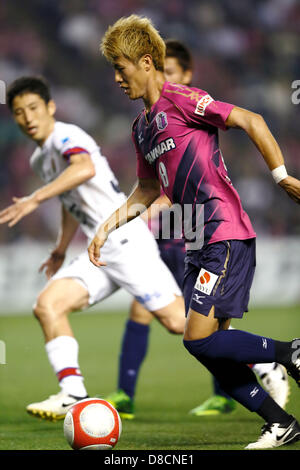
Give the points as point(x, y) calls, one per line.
point(92, 424)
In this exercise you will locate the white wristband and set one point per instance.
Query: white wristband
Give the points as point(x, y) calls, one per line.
point(279, 173)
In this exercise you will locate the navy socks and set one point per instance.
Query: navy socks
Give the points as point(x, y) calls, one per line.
point(133, 352)
point(218, 389)
point(226, 354)
point(237, 380)
point(237, 345)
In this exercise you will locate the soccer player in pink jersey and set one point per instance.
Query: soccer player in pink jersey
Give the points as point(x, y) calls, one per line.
point(176, 139)
point(178, 68)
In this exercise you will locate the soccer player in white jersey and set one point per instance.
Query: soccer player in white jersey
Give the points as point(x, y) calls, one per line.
point(69, 161)
point(178, 69)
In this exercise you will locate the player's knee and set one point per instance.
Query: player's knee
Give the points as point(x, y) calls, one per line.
point(44, 309)
point(200, 348)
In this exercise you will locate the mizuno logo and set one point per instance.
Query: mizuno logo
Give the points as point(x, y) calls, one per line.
point(196, 298)
point(265, 344)
point(254, 392)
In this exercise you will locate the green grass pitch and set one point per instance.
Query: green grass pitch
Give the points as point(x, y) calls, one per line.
point(171, 382)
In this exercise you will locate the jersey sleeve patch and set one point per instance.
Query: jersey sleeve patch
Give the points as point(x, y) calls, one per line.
point(71, 151)
point(202, 104)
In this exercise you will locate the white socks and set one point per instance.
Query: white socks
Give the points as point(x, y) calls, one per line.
point(63, 356)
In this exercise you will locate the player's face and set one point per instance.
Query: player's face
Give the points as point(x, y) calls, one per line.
point(34, 116)
point(174, 72)
point(132, 78)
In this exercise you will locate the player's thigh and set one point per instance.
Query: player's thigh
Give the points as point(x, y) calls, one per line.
point(173, 311)
point(62, 296)
point(200, 326)
point(95, 280)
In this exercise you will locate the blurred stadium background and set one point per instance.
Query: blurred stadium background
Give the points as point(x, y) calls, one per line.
point(244, 52)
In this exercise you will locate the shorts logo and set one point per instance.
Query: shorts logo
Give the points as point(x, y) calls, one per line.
point(146, 298)
point(196, 298)
point(205, 278)
point(202, 103)
point(254, 392)
point(206, 281)
point(161, 120)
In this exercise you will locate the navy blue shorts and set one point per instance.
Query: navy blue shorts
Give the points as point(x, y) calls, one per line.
point(172, 253)
point(220, 274)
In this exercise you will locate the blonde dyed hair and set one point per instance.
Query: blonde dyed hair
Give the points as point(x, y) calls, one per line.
point(133, 37)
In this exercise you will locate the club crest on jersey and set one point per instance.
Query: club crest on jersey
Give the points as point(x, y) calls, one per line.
point(202, 104)
point(160, 149)
point(206, 281)
point(161, 120)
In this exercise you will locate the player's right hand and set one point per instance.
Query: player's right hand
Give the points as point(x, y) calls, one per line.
point(94, 250)
point(292, 187)
point(52, 264)
point(22, 206)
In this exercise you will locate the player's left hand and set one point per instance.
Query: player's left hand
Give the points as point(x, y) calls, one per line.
point(22, 206)
point(94, 250)
point(52, 264)
point(292, 187)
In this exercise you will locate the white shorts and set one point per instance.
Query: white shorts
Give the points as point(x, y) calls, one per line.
point(133, 262)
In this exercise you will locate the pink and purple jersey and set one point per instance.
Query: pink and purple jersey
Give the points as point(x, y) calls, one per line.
point(177, 143)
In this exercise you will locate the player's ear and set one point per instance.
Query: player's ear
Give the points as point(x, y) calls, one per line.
point(51, 107)
point(146, 61)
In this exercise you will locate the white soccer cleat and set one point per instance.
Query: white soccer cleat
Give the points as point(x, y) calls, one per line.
point(275, 435)
point(53, 408)
point(276, 384)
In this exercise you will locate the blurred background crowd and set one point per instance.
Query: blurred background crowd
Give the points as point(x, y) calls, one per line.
point(245, 52)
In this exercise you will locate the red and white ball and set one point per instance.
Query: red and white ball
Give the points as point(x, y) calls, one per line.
point(92, 424)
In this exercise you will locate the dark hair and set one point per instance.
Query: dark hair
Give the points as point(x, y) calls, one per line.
point(37, 85)
point(178, 50)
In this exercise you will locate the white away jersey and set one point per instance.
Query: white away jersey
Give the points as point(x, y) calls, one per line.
point(92, 201)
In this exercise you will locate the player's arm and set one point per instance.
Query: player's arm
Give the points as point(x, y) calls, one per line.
point(68, 228)
point(258, 131)
point(159, 205)
point(142, 196)
point(81, 169)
